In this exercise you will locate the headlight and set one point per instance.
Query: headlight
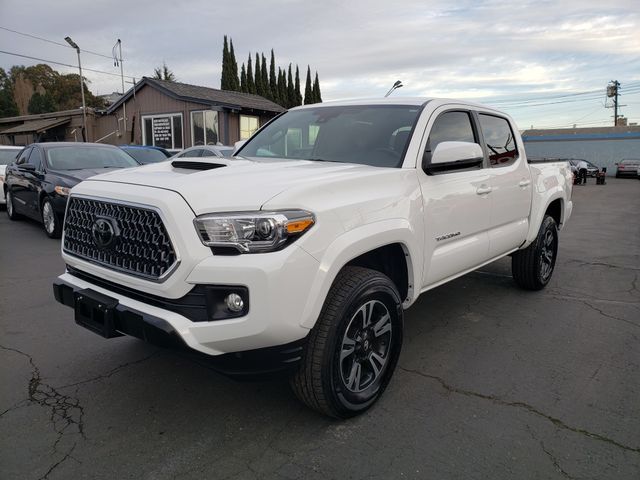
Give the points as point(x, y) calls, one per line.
point(60, 190)
point(253, 232)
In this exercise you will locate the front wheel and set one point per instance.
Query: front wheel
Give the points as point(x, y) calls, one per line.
point(353, 349)
point(532, 267)
point(52, 225)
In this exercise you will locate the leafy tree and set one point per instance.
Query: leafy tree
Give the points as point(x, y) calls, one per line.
point(243, 80)
point(8, 107)
point(258, 76)
point(298, 95)
point(42, 103)
point(291, 90)
point(164, 73)
point(317, 97)
point(273, 80)
point(233, 69)
point(265, 79)
point(282, 88)
point(308, 90)
point(251, 84)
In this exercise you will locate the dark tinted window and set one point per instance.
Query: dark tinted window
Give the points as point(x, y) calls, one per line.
point(499, 140)
point(208, 153)
point(146, 155)
point(193, 153)
point(36, 158)
point(80, 157)
point(449, 127)
point(24, 156)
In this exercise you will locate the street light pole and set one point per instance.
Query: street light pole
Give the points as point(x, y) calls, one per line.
point(119, 61)
point(84, 106)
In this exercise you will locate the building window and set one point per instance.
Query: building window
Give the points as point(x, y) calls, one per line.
point(248, 126)
point(163, 131)
point(204, 127)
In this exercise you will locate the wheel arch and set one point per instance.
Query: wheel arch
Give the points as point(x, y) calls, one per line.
point(389, 247)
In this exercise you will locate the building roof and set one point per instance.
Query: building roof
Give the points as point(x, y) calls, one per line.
point(38, 116)
point(204, 95)
point(592, 133)
point(37, 126)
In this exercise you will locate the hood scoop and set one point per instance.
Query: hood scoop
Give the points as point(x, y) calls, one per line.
point(195, 165)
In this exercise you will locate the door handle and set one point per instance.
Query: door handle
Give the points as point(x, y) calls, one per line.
point(483, 190)
point(524, 183)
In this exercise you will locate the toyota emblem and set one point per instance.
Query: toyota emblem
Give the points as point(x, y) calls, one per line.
point(103, 232)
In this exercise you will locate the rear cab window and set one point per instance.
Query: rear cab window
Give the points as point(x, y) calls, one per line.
point(499, 140)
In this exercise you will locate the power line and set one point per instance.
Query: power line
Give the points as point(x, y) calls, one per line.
point(52, 42)
point(63, 64)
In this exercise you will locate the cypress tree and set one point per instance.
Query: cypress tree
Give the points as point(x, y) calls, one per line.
point(298, 95)
point(308, 92)
point(265, 79)
point(234, 84)
point(258, 76)
point(291, 91)
point(316, 90)
point(273, 81)
point(224, 78)
point(282, 88)
point(251, 85)
point(243, 80)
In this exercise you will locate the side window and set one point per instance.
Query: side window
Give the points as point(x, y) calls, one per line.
point(24, 156)
point(453, 126)
point(499, 139)
point(36, 158)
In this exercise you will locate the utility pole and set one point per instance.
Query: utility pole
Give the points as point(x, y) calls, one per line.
point(613, 90)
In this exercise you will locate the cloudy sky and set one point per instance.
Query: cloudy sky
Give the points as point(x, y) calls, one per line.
point(545, 62)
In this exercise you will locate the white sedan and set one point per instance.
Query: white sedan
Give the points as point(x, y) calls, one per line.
point(7, 155)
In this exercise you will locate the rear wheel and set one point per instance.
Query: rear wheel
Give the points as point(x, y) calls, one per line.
point(353, 349)
point(11, 211)
point(532, 267)
point(52, 225)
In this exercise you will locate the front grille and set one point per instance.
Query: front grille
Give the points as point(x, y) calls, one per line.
point(136, 241)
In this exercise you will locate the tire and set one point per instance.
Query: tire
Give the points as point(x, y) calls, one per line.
point(50, 221)
point(532, 267)
point(328, 379)
point(11, 211)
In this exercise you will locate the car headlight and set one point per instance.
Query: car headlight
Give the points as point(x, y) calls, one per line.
point(253, 232)
point(60, 190)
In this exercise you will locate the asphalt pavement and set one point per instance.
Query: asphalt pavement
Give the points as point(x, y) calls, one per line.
point(493, 382)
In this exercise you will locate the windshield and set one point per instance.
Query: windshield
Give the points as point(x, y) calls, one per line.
point(146, 155)
point(226, 152)
point(80, 157)
point(375, 135)
point(7, 156)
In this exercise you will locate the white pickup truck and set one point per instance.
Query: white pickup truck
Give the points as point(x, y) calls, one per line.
point(303, 251)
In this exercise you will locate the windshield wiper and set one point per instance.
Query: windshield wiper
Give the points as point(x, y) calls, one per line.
point(321, 160)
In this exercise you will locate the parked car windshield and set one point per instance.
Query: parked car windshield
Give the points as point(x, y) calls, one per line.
point(80, 157)
point(7, 156)
point(146, 155)
point(375, 135)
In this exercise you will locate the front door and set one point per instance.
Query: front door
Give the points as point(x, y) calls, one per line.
point(457, 203)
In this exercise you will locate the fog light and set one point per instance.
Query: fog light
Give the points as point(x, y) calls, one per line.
point(234, 302)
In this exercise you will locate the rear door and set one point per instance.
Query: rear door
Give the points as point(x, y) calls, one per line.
point(34, 180)
point(456, 202)
point(18, 183)
point(510, 184)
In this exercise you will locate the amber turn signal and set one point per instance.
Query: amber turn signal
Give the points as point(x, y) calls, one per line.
point(299, 226)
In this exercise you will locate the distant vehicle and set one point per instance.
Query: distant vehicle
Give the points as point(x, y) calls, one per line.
point(7, 155)
point(206, 151)
point(628, 167)
point(592, 170)
point(147, 153)
point(37, 184)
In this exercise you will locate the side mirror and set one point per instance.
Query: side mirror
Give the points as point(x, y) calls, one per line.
point(27, 167)
point(237, 146)
point(455, 156)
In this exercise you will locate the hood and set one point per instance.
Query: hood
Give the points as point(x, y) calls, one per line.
point(76, 176)
point(238, 184)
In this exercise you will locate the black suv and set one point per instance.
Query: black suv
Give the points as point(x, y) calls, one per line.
point(37, 184)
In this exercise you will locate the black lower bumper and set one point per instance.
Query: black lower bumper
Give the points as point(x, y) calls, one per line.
point(124, 320)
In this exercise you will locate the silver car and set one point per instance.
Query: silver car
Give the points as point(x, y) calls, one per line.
point(7, 155)
point(628, 167)
point(205, 151)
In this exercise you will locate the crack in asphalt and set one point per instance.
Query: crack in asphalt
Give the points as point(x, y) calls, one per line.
point(520, 405)
point(65, 410)
point(593, 307)
point(582, 263)
point(111, 372)
point(549, 454)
